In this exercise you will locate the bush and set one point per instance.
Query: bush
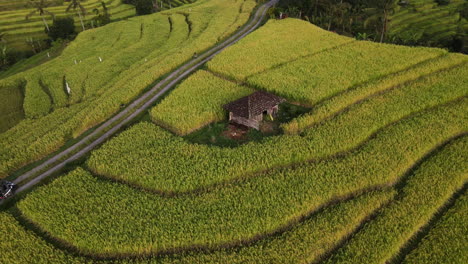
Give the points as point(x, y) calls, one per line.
point(4, 60)
point(9, 56)
point(63, 28)
point(143, 7)
point(464, 11)
point(103, 18)
point(442, 2)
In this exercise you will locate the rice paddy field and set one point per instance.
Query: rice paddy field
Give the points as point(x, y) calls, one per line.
point(436, 23)
point(375, 172)
point(18, 29)
point(105, 68)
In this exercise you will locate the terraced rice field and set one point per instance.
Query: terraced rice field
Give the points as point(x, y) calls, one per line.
point(134, 54)
point(374, 173)
point(426, 18)
point(7, 5)
point(18, 29)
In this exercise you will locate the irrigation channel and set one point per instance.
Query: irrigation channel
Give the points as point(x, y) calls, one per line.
point(107, 129)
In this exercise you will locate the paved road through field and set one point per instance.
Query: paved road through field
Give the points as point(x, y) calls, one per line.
point(112, 125)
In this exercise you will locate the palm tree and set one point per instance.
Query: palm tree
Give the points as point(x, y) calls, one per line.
point(3, 50)
point(3, 56)
point(325, 12)
point(344, 15)
point(381, 13)
point(101, 19)
point(76, 5)
point(156, 5)
point(337, 12)
point(318, 7)
point(40, 9)
point(2, 37)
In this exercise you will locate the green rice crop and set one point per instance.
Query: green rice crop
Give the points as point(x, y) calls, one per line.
point(272, 45)
point(13, 22)
point(107, 218)
point(424, 193)
point(381, 152)
point(36, 100)
point(180, 113)
point(12, 108)
point(20, 245)
point(338, 103)
point(154, 159)
point(446, 241)
point(315, 78)
point(304, 243)
point(313, 73)
point(329, 226)
point(434, 22)
point(131, 61)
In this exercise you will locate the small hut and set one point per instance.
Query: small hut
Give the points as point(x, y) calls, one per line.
point(249, 110)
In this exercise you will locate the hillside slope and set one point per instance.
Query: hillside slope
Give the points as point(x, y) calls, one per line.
point(360, 178)
point(429, 22)
point(106, 68)
point(18, 29)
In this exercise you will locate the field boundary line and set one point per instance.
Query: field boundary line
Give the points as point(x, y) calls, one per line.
point(417, 236)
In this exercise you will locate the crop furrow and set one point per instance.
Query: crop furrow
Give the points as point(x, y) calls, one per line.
point(413, 242)
point(279, 65)
point(328, 221)
point(435, 181)
point(330, 108)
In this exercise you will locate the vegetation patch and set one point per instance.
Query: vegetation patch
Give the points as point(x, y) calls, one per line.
point(342, 101)
point(21, 245)
point(445, 241)
point(314, 78)
point(372, 171)
point(424, 194)
point(12, 107)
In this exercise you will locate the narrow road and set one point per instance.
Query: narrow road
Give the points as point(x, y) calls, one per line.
point(112, 125)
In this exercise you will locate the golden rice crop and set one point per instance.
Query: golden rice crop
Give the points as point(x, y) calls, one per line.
point(116, 219)
point(446, 240)
point(131, 61)
point(425, 192)
point(198, 101)
point(167, 163)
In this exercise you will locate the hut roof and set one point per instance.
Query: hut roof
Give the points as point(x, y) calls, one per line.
point(254, 104)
